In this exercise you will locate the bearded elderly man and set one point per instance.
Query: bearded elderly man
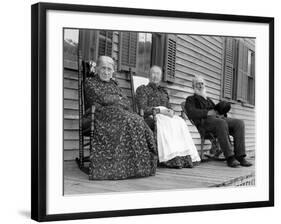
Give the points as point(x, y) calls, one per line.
point(200, 109)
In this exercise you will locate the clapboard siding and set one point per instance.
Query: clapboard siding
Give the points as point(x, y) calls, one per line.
point(71, 104)
point(197, 47)
point(211, 41)
point(70, 74)
point(208, 44)
point(186, 73)
point(71, 114)
point(218, 39)
point(248, 116)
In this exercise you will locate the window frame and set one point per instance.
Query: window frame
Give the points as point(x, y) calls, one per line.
point(235, 85)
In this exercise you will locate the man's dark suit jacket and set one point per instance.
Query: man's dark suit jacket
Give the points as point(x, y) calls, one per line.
point(197, 108)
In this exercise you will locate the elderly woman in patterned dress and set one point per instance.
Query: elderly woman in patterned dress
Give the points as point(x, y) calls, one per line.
point(175, 144)
point(123, 144)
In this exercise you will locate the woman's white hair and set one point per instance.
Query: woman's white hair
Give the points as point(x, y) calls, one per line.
point(155, 67)
point(105, 58)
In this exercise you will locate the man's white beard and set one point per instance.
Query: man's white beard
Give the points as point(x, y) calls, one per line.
point(201, 93)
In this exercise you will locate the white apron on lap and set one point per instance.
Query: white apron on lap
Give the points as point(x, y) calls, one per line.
point(174, 139)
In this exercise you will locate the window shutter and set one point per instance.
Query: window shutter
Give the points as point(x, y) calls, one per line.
point(105, 43)
point(228, 68)
point(242, 78)
point(128, 51)
point(84, 41)
point(170, 58)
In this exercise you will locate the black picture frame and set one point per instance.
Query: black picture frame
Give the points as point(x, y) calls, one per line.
point(39, 109)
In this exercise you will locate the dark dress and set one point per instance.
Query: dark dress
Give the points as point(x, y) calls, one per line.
point(123, 144)
point(150, 96)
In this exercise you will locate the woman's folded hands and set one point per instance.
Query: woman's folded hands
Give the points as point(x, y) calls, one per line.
point(167, 112)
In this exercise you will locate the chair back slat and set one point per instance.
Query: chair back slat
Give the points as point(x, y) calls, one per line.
point(137, 81)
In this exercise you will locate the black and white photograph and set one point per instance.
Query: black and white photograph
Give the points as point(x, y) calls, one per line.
point(142, 112)
point(157, 111)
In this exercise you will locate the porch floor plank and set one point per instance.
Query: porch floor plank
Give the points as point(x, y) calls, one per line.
point(208, 174)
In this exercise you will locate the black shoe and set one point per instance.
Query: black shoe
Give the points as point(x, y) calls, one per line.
point(244, 162)
point(232, 162)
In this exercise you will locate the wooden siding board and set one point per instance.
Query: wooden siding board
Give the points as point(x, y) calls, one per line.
point(71, 145)
point(197, 70)
point(212, 40)
point(70, 74)
point(186, 91)
point(200, 48)
point(71, 135)
point(70, 124)
point(219, 39)
point(70, 84)
point(199, 62)
point(207, 44)
point(188, 74)
point(187, 85)
point(70, 114)
point(188, 53)
point(70, 104)
point(70, 94)
point(203, 55)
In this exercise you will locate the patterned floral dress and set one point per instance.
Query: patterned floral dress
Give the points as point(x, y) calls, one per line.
point(123, 144)
point(148, 97)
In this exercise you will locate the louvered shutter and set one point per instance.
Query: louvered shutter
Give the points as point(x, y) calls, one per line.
point(170, 58)
point(242, 78)
point(105, 43)
point(128, 51)
point(228, 68)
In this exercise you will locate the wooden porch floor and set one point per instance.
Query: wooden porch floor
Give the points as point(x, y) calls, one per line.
point(207, 174)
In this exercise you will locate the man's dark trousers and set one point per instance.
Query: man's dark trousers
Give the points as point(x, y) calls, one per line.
point(222, 127)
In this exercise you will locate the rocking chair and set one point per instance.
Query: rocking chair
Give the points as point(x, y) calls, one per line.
point(215, 151)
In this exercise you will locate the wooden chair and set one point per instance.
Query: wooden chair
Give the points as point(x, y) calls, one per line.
point(137, 81)
point(215, 151)
point(86, 133)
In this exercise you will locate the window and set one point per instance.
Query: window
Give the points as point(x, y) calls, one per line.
point(135, 52)
point(95, 43)
point(105, 43)
point(251, 77)
point(139, 51)
point(144, 53)
point(239, 71)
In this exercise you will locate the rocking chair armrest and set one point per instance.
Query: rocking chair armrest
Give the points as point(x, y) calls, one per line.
point(154, 112)
point(90, 110)
point(93, 109)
